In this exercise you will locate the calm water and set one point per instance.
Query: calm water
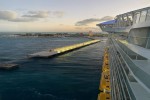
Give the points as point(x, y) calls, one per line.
point(72, 76)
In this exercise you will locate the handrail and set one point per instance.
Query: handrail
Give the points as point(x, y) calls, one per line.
point(125, 80)
point(136, 71)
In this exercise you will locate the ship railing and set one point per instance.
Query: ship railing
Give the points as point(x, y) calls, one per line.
point(123, 79)
point(120, 77)
point(121, 94)
point(133, 17)
point(136, 72)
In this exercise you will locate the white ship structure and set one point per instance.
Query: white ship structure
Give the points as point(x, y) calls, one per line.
point(129, 55)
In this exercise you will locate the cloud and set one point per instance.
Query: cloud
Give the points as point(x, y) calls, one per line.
point(58, 14)
point(44, 14)
point(91, 20)
point(23, 20)
point(13, 17)
point(30, 16)
point(8, 15)
point(37, 14)
point(61, 24)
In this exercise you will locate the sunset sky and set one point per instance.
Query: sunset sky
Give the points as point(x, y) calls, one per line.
point(61, 15)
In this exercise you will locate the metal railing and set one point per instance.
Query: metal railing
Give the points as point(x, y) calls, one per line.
point(137, 72)
point(119, 77)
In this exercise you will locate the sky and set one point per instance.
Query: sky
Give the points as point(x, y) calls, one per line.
point(61, 15)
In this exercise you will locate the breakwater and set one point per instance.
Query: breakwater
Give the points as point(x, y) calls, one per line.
point(61, 50)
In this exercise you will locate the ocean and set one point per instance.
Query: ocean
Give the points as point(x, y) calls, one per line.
point(71, 76)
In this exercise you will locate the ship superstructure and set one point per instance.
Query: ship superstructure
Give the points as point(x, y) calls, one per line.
point(129, 55)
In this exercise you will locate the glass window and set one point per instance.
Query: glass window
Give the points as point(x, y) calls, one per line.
point(120, 21)
point(117, 21)
point(139, 36)
point(148, 41)
point(148, 15)
point(130, 17)
point(143, 16)
point(136, 17)
point(125, 18)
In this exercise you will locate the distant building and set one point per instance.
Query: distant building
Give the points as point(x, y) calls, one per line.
point(90, 33)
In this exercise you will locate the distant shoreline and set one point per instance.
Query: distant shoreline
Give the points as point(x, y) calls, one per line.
point(62, 35)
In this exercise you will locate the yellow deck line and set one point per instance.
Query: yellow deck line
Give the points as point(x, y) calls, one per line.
point(105, 79)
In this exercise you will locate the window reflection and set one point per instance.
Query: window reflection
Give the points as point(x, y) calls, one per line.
point(139, 36)
point(137, 17)
point(148, 15)
point(143, 16)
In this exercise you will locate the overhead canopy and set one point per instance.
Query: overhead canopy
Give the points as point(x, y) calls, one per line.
point(108, 22)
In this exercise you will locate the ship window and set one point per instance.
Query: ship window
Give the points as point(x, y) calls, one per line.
point(130, 19)
point(125, 18)
point(120, 21)
point(148, 41)
point(137, 17)
point(134, 19)
point(138, 36)
point(143, 16)
point(148, 15)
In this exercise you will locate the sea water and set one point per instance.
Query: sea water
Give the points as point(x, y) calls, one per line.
point(72, 76)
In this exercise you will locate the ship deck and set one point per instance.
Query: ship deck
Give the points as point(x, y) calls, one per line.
point(143, 65)
point(140, 92)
